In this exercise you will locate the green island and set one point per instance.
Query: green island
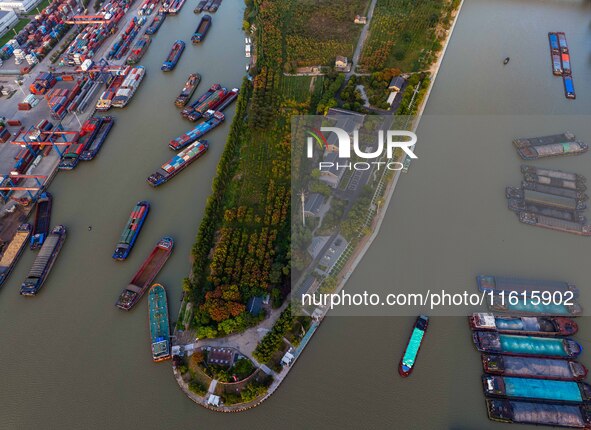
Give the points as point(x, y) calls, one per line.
point(237, 334)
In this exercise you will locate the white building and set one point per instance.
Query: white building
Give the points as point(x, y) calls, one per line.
point(19, 6)
point(8, 19)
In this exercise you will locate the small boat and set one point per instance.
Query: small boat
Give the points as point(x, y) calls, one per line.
point(188, 90)
point(173, 57)
point(548, 414)
point(13, 251)
point(44, 261)
point(42, 220)
point(506, 60)
point(159, 324)
point(145, 275)
point(533, 367)
point(201, 30)
point(132, 230)
point(407, 362)
point(177, 163)
point(526, 346)
point(537, 326)
point(101, 136)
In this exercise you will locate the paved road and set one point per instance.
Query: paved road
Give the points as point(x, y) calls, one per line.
point(361, 40)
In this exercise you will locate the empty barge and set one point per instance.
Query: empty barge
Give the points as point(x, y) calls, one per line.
point(533, 367)
point(523, 325)
point(178, 163)
point(556, 224)
point(101, 136)
point(525, 346)
point(201, 30)
point(557, 191)
point(42, 220)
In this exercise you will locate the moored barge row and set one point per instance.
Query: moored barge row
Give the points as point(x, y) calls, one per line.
point(12, 252)
point(42, 220)
point(101, 136)
point(178, 163)
point(497, 284)
point(533, 367)
point(173, 57)
point(188, 90)
point(159, 323)
point(44, 261)
point(408, 360)
point(131, 230)
point(196, 133)
point(526, 346)
point(524, 325)
point(214, 100)
point(542, 390)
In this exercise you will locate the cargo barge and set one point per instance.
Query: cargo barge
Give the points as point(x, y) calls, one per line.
point(569, 87)
point(499, 284)
point(173, 57)
point(549, 146)
point(407, 362)
point(42, 220)
point(556, 224)
point(510, 411)
point(198, 132)
point(200, 6)
point(545, 199)
point(188, 90)
point(86, 137)
point(105, 100)
point(557, 191)
point(523, 325)
point(555, 54)
point(156, 23)
point(101, 136)
point(132, 230)
point(526, 346)
point(172, 7)
point(13, 251)
point(201, 30)
point(525, 307)
point(211, 103)
point(189, 109)
point(520, 206)
point(128, 87)
point(537, 390)
point(44, 261)
point(159, 324)
point(532, 367)
point(554, 178)
point(138, 50)
point(177, 163)
point(146, 274)
point(224, 102)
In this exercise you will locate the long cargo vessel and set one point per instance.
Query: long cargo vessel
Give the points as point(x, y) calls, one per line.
point(189, 109)
point(132, 230)
point(175, 6)
point(569, 87)
point(105, 100)
point(44, 261)
point(549, 146)
point(523, 325)
point(566, 308)
point(541, 390)
point(223, 103)
point(408, 360)
point(173, 57)
point(197, 132)
point(138, 50)
point(533, 367)
point(129, 86)
point(526, 346)
point(557, 191)
point(210, 104)
point(554, 178)
point(86, 137)
point(200, 6)
point(188, 90)
point(42, 220)
point(177, 163)
point(159, 324)
point(156, 23)
point(498, 284)
point(556, 224)
point(520, 206)
point(519, 412)
point(555, 54)
point(146, 274)
point(101, 136)
point(13, 251)
point(201, 30)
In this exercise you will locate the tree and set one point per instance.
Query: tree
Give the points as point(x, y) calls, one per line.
point(195, 360)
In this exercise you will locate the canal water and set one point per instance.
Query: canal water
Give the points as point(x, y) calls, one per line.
point(70, 359)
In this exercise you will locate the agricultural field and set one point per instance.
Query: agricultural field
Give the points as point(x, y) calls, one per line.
point(300, 88)
point(319, 30)
point(406, 34)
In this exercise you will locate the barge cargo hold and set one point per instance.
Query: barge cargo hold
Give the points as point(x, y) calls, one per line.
point(177, 163)
point(129, 86)
point(567, 392)
point(44, 261)
point(132, 230)
point(210, 104)
point(511, 411)
point(189, 109)
point(534, 326)
point(525, 346)
point(552, 173)
point(198, 132)
point(532, 367)
point(549, 146)
point(562, 42)
point(105, 99)
point(146, 274)
point(224, 102)
point(159, 323)
point(573, 216)
point(408, 360)
point(569, 87)
point(200, 6)
point(497, 284)
point(13, 251)
point(554, 178)
point(173, 57)
point(86, 137)
point(174, 7)
point(156, 23)
point(138, 50)
point(42, 220)
point(101, 136)
point(188, 90)
point(556, 224)
point(557, 191)
point(201, 30)
point(525, 307)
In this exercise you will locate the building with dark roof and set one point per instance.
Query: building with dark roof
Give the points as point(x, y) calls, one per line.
point(397, 83)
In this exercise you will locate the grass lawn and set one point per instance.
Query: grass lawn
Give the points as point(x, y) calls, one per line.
point(18, 27)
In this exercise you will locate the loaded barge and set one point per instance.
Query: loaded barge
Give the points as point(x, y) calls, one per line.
point(138, 50)
point(42, 220)
point(146, 274)
point(533, 367)
point(564, 192)
point(101, 136)
point(535, 326)
point(201, 30)
point(525, 307)
point(224, 102)
point(214, 100)
point(189, 109)
point(520, 205)
point(86, 137)
point(198, 132)
point(550, 223)
point(526, 346)
point(188, 90)
point(177, 163)
point(549, 146)
point(554, 178)
point(44, 261)
point(132, 230)
point(173, 57)
point(128, 87)
point(13, 251)
point(200, 6)
point(407, 362)
point(541, 390)
point(510, 411)
point(498, 284)
point(555, 54)
point(105, 100)
point(159, 324)
point(156, 23)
